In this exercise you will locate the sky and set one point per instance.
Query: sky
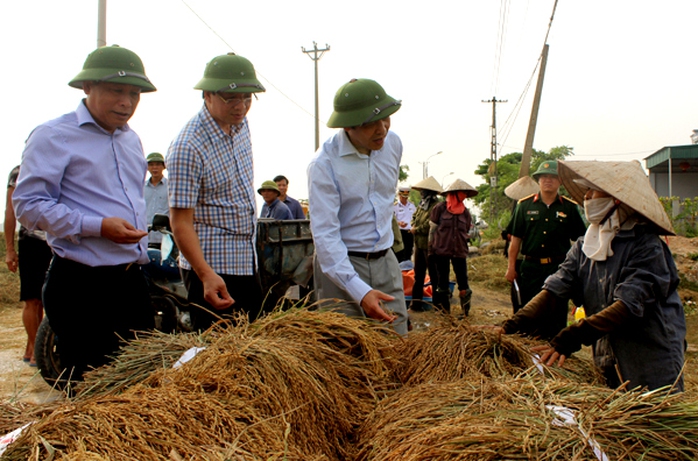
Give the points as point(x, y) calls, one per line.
point(619, 84)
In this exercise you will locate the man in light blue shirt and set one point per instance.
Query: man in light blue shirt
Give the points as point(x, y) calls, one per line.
point(273, 207)
point(155, 191)
point(81, 181)
point(351, 184)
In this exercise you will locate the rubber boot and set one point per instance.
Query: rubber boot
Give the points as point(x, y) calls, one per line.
point(442, 301)
point(465, 297)
point(417, 305)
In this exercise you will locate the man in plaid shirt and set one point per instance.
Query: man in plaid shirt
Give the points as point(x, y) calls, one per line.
point(212, 201)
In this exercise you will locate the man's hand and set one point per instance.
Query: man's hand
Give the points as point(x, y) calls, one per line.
point(121, 231)
point(549, 355)
point(402, 223)
point(215, 292)
point(372, 306)
point(511, 274)
point(11, 259)
point(413, 231)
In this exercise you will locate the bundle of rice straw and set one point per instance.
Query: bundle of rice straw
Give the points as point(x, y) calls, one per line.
point(520, 419)
point(451, 350)
point(255, 392)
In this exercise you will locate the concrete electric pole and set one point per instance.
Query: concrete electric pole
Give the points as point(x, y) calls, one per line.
point(493, 152)
point(315, 54)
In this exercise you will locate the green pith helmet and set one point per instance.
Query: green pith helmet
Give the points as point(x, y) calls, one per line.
point(230, 73)
point(115, 65)
point(547, 167)
point(155, 157)
point(361, 101)
point(269, 185)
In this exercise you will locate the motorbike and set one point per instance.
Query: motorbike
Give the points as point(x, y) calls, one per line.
point(168, 297)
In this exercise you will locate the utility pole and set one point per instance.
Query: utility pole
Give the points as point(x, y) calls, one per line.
point(493, 152)
point(102, 23)
point(316, 55)
point(528, 147)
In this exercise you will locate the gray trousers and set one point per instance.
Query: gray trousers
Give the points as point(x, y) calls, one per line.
point(381, 274)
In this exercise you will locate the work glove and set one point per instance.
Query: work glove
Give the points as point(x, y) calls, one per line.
point(588, 330)
point(525, 320)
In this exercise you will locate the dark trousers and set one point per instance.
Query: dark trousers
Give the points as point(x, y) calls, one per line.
point(91, 308)
point(422, 263)
point(460, 269)
point(532, 275)
point(244, 289)
point(442, 297)
point(408, 241)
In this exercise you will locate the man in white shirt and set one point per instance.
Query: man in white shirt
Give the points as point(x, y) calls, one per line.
point(352, 230)
point(404, 209)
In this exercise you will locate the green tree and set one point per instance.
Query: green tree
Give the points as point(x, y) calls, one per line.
point(492, 201)
point(403, 173)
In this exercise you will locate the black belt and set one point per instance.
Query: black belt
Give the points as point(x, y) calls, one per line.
point(376, 255)
point(74, 265)
point(554, 259)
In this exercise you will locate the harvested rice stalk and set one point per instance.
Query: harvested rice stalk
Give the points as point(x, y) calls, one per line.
point(520, 419)
point(371, 342)
point(451, 350)
point(137, 359)
point(260, 392)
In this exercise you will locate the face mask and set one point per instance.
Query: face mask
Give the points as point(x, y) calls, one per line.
point(597, 208)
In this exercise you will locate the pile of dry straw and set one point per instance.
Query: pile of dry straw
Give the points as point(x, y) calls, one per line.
point(309, 385)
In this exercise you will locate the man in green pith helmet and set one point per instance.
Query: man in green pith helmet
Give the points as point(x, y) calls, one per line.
point(351, 185)
point(81, 181)
point(155, 190)
point(543, 228)
point(212, 201)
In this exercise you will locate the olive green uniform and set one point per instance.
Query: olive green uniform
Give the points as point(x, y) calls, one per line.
point(547, 233)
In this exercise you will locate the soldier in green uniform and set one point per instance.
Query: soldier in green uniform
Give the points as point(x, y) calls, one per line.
point(544, 226)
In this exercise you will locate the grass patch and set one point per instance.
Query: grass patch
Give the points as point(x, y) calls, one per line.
point(488, 271)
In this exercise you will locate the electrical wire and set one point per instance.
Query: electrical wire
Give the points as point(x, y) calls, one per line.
point(259, 74)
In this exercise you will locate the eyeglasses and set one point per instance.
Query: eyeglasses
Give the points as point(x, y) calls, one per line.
point(234, 101)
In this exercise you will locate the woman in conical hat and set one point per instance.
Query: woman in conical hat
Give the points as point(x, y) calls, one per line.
point(624, 275)
point(451, 222)
point(429, 189)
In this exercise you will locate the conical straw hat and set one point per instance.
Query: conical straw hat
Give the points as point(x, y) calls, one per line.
point(625, 181)
point(459, 185)
point(429, 184)
point(522, 187)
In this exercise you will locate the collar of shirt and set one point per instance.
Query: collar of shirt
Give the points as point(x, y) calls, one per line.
point(213, 129)
point(85, 117)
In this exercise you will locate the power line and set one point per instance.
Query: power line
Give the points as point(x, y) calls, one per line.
point(259, 74)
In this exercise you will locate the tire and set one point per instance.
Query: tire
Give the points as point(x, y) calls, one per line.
point(46, 355)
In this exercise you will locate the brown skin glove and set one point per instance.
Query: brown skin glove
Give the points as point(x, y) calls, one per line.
point(588, 330)
point(524, 321)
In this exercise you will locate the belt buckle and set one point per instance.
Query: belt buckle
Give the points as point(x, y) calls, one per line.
point(546, 260)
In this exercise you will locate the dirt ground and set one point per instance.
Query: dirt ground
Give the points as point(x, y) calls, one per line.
point(20, 382)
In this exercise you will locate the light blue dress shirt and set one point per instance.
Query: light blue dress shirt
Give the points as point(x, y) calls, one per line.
point(351, 205)
point(155, 203)
point(74, 173)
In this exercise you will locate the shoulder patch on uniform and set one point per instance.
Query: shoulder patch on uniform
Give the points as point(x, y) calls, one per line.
point(569, 200)
point(526, 198)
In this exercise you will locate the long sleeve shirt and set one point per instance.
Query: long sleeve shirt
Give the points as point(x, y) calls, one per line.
point(351, 197)
point(74, 174)
point(649, 348)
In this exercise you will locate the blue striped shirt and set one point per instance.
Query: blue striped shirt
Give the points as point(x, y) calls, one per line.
point(75, 173)
point(212, 173)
